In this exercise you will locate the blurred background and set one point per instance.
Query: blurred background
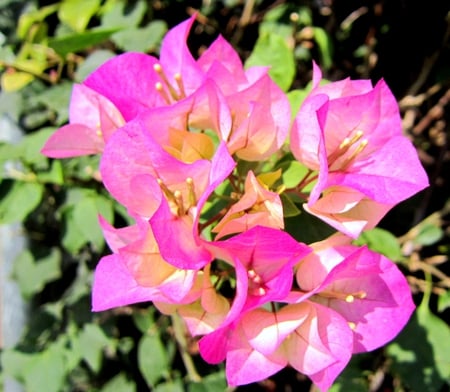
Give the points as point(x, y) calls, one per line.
point(50, 240)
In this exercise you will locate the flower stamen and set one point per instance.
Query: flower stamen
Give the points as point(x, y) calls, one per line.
point(348, 142)
point(349, 298)
point(159, 87)
point(179, 81)
point(175, 96)
point(191, 191)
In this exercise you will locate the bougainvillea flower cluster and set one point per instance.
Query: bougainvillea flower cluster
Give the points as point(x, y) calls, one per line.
point(195, 150)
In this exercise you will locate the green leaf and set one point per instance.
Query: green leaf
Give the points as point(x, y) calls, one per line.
point(28, 19)
point(80, 287)
point(57, 99)
point(444, 301)
point(145, 39)
point(420, 352)
point(81, 216)
point(152, 359)
point(296, 98)
point(74, 238)
point(11, 104)
point(307, 228)
point(76, 42)
point(214, 382)
point(85, 217)
point(92, 342)
point(381, 241)
point(119, 383)
point(13, 362)
point(292, 173)
point(143, 319)
point(17, 201)
point(15, 80)
point(52, 176)
point(32, 145)
point(43, 371)
point(272, 50)
point(277, 21)
point(91, 63)
point(325, 47)
point(438, 335)
point(47, 372)
point(352, 378)
point(32, 276)
point(429, 234)
point(78, 13)
point(114, 14)
point(289, 208)
point(170, 386)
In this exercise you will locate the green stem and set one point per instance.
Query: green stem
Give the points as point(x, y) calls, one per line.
point(180, 336)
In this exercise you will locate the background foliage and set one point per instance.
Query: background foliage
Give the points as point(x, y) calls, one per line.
point(47, 46)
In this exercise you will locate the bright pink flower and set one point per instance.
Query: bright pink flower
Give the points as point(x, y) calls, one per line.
point(263, 259)
point(350, 132)
point(176, 230)
point(313, 339)
point(268, 255)
point(180, 127)
point(136, 272)
point(366, 288)
point(135, 169)
point(257, 207)
point(261, 120)
point(93, 118)
point(213, 311)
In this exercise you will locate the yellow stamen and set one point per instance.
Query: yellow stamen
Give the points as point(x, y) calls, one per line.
point(351, 325)
point(358, 150)
point(349, 298)
point(167, 192)
point(345, 146)
point(261, 291)
point(179, 200)
point(159, 70)
point(179, 81)
point(191, 189)
point(159, 87)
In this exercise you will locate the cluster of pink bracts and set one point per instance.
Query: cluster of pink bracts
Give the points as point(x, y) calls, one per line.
point(192, 149)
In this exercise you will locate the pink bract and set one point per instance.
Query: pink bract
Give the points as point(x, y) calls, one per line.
point(257, 207)
point(93, 119)
point(351, 134)
point(365, 287)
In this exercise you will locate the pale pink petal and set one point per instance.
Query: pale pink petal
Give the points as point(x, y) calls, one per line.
point(245, 365)
point(73, 140)
point(262, 117)
point(266, 330)
point(126, 158)
point(307, 131)
point(118, 238)
point(347, 210)
point(338, 338)
point(115, 286)
point(87, 106)
point(307, 349)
